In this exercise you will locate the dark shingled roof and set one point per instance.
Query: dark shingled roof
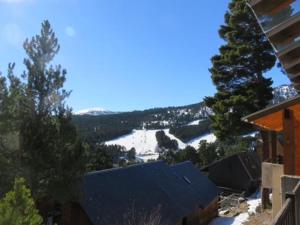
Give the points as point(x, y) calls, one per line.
point(112, 196)
point(240, 172)
point(205, 189)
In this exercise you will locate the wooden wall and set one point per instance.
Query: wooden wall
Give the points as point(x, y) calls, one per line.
point(291, 129)
point(202, 216)
point(72, 214)
point(207, 214)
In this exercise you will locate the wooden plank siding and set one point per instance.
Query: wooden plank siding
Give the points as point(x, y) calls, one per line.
point(207, 214)
point(201, 216)
point(274, 146)
point(289, 146)
point(73, 214)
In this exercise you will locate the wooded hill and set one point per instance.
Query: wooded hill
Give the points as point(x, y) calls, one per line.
point(107, 127)
point(101, 128)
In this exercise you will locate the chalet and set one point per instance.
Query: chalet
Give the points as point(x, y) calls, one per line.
point(239, 173)
point(171, 195)
point(280, 20)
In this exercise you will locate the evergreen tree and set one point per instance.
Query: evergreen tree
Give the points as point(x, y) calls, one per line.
point(207, 153)
point(131, 155)
point(238, 70)
point(170, 156)
point(100, 157)
point(165, 142)
point(189, 153)
point(53, 155)
point(10, 116)
point(18, 208)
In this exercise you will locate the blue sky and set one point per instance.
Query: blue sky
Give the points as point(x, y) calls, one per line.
point(124, 54)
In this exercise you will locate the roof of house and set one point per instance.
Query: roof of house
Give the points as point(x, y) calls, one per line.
point(206, 190)
point(236, 172)
point(119, 196)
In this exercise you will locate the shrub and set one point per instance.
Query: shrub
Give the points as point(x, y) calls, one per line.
point(17, 207)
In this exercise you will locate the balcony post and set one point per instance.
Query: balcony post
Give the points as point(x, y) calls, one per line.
point(289, 142)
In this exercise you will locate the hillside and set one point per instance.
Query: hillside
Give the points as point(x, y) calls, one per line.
point(145, 143)
point(188, 125)
point(103, 128)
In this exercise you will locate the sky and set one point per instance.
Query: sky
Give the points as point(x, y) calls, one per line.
point(124, 55)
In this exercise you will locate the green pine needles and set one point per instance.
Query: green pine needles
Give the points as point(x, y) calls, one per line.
point(237, 72)
point(17, 207)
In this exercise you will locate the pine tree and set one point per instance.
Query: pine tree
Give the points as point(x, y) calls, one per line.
point(238, 70)
point(207, 153)
point(53, 155)
point(10, 99)
point(18, 208)
point(131, 155)
point(189, 153)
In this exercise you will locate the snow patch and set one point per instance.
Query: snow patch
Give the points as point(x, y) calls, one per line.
point(181, 145)
point(93, 112)
point(253, 134)
point(195, 122)
point(210, 138)
point(253, 202)
point(145, 143)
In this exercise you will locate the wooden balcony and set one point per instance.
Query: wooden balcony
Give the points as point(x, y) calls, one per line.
point(283, 117)
point(268, 6)
point(289, 212)
point(280, 20)
point(285, 33)
point(295, 78)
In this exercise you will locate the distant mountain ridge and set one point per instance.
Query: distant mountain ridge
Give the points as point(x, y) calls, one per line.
point(97, 111)
point(105, 127)
point(99, 125)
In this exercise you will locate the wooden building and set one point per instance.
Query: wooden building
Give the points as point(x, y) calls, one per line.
point(280, 20)
point(174, 195)
point(278, 121)
point(239, 173)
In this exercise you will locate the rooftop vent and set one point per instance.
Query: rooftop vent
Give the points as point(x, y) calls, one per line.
point(187, 180)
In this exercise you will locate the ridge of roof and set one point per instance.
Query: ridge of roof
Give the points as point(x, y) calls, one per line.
point(147, 186)
point(123, 168)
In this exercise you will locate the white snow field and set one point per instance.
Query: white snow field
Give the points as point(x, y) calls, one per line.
point(145, 143)
point(252, 202)
point(207, 137)
point(195, 122)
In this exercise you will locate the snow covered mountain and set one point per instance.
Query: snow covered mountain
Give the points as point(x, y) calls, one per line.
point(97, 111)
point(137, 129)
point(283, 93)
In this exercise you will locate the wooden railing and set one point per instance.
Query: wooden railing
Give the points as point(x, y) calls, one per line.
point(289, 214)
point(286, 215)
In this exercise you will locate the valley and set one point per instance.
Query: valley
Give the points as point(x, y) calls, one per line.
point(187, 125)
